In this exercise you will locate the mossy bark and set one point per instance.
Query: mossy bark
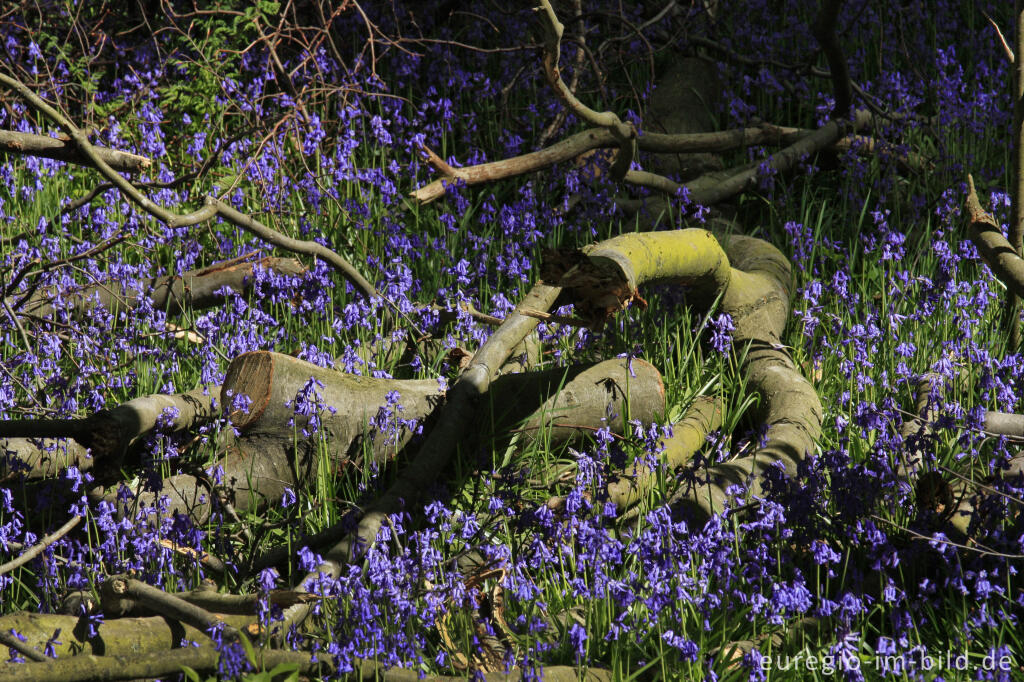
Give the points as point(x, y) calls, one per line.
point(758, 300)
point(114, 637)
point(196, 289)
point(754, 283)
point(688, 436)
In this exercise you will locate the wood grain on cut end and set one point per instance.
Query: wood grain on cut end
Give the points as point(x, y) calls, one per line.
point(251, 374)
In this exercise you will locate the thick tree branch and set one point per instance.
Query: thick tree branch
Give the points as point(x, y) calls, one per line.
point(997, 251)
point(117, 590)
point(108, 434)
point(753, 281)
point(159, 664)
point(1016, 236)
point(197, 289)
point(689, 435)
point(27, 144)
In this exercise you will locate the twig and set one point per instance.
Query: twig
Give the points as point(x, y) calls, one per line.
point(548, 317)
point(315, 249)
point(53, 265)
point(980, 549)
point(982, 486)
point(37, 549)
point(1002, 40)
point(581, 55)
point(9, 640)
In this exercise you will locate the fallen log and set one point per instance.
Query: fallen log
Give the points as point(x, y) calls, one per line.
point(131, 666)
point(30, 446)
point(112, 637)
point(271, 453)
point(204, 660)
point(196, 289)
point(950, 495)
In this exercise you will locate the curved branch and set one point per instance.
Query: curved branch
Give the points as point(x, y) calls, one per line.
point(706, 188)
point(757, 299)
point(624, 133)
point(213, 206)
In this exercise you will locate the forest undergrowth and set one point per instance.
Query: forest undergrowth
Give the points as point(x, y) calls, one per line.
point(518, 558)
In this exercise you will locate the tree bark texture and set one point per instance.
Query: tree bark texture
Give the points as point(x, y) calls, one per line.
point(753, 280)
point(65, 150)
point(31, 446)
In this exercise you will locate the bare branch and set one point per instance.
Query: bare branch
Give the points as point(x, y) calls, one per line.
point(1002, 39)
point(824, 29)
point(624, 134)
point(213, 207)
point(120, 593)
point(55, 148)
point(37, 549)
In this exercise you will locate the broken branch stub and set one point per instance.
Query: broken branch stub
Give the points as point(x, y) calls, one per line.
point(295, 411)
point(555, 406)
point(288, 394)
point(609, 274)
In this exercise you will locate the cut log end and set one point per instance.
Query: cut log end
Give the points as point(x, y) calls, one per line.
point(250, 374)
